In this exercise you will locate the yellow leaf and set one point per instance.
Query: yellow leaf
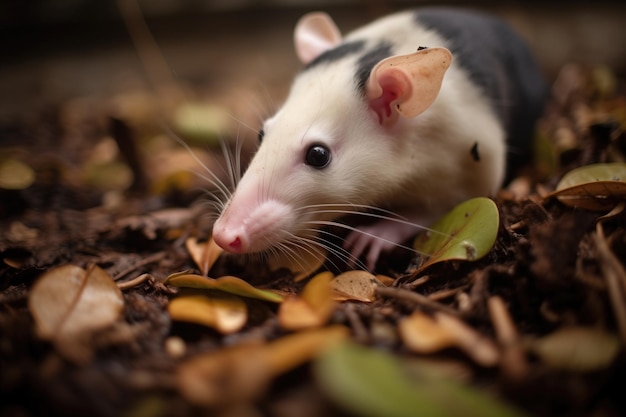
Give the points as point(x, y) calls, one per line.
point(312, 307)
point(224, 312)
point(421, 334)
point(15, 175)
point(232, 285)
point(203, 254)
point(355, 285)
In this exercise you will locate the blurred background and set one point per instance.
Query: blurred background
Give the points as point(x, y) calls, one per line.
point(56, 49)
point(100, 95)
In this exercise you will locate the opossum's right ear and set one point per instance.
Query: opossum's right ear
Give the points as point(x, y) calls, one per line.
point(406, 85)
point(315, 33)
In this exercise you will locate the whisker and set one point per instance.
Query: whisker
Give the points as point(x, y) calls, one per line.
point(214, 179)
point(357, 206)
point(336, 249)
point(311, 243)
point(393, 216)
point(354, 229)
point(230, 168)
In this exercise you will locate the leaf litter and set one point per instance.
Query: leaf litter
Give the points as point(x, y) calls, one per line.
point(537, 318)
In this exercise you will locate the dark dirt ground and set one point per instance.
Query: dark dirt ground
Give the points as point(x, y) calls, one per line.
point(547, 264)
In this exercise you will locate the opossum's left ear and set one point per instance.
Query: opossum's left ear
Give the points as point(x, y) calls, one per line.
point(406, 85)
point(315, 33)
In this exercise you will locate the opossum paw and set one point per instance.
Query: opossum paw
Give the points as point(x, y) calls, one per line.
point(370, 241)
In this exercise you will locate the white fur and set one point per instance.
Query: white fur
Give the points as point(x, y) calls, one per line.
point(420, 168)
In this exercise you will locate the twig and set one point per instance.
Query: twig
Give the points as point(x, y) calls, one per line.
point(360, 332)
point(414, 297)
point(133, 282)
point(513, 360)
point(443, 294)
point(150, 259)
point(615, 279)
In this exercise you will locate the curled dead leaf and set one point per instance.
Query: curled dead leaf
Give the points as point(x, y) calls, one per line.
point(224, 312)
point(596, 187)
point(355, 285)
point(312, 307)
point(204, 254)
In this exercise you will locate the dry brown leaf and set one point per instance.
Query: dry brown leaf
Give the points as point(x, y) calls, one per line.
point(203, 254)
point(242, 373)
point(70, 300)
point(224, 312)
point(385, 280)
point(422, 334)
point(355, 285)
point(482, 350)
point(68, 304)
point(312, 307)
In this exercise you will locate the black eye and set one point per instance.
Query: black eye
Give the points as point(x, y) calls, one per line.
point(261, 135)
point(317, 156)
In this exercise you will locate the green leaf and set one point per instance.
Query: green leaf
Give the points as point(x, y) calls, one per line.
point(371, 383)
point(232, 285)
point(202, 122)
point(15, 175)
point(596, 187)
point(468, 232)
point(578, 349)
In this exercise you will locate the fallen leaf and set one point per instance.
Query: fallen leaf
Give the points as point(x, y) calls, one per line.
point(15, 175)
point(242, 373)
point(311, 308)
point(596, 187)
point(355, 285)
point(370, 383)
point(202, 122)
point(385, 280)
point(579, 349)
point(468, 232)
point(114, 175)
point(224, 312)
point(482, 350)
point(232, 285)
point(424, 334)
point(69, 303)
point(421, 334)
point(203, 254)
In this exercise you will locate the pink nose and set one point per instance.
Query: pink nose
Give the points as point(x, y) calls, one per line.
point(230, 241)
point(235, 245)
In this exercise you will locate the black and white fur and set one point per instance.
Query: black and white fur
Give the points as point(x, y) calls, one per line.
point(418, 167)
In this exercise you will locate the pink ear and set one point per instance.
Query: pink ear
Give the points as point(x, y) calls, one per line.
point(406, 85)
point(315, 33)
